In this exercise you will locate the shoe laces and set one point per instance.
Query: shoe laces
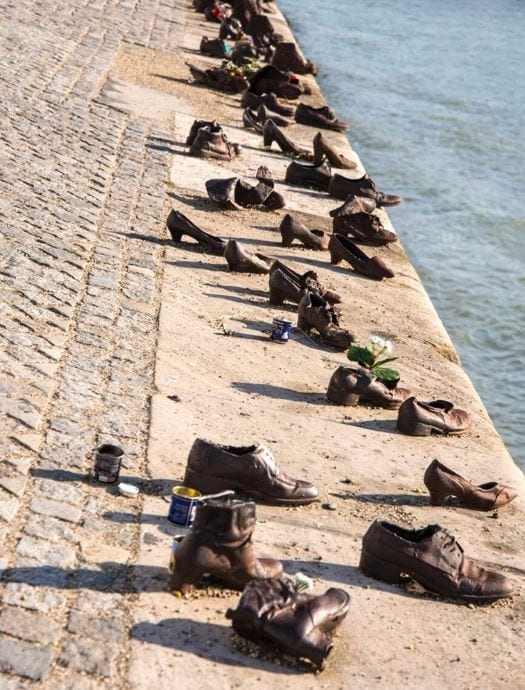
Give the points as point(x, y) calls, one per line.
point(268, 459)
point(449, 542)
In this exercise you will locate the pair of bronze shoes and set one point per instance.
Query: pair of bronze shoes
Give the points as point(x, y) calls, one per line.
point(235, 193)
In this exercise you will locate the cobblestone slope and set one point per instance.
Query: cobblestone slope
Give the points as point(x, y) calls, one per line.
point(78, 326)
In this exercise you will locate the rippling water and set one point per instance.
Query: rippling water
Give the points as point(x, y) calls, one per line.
point(435, 92)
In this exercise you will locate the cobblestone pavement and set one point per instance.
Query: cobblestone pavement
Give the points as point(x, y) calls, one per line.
point(79, 183)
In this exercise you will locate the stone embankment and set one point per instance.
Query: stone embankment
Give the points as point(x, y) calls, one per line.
point(110, 332)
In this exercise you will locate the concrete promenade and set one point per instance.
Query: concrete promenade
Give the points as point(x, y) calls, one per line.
point(111, 333)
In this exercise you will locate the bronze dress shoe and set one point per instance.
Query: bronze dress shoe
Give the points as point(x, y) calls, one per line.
point(249, 469)
point(350, 386)
point(314, 312)
point(432, 557)
point(308, 175)
point(319, 117)
point(442, 482)
point(179, 225)
point(289, 285)
point(324, 149)
point(292, 229)
point(341, 187)
point(341, 248)
point(364, 227)
point(299, 624)
point(220, 544)
point(438, 417)
point(240, 260)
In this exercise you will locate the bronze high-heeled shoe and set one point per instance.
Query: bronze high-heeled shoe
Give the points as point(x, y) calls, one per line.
point(442, 482)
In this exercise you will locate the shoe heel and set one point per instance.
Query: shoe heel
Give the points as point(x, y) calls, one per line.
point(422, 429)
point(267, 138)
point(176, 235)
point(437, 498)
point(334, 259)
point(380, 570)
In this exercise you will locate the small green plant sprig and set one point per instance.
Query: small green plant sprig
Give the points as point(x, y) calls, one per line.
point(369, 357)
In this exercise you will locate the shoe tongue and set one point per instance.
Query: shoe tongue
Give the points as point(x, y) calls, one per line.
point(266, 456)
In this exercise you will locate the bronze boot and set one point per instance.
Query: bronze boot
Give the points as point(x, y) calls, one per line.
point(299, 624)
point(292, 229)
point(220, 544)
point(314, 312)
point(287, 57)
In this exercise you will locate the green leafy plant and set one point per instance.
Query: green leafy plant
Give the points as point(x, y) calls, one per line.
point(371, 356)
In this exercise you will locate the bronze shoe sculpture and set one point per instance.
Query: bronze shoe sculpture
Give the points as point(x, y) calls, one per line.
point(197, 124)
point(319, 117)
point(240, 260)
point(218, 78)
point(314, 312)
point(341, 248)
point(257, 120)
point(211, 142)
point(230, 28)
point(178, 225)
point(235, 193)
point(287, 284)
point(271, 133)
point(253, 101)
point(349, 386)
point(288, 58)
point(323, 149)
point(299, 624)
point(442, 482)
point(292, 229)
point(438, 417)
point(364, 227)
point(432, 557)
point(252, 470)
point(220, 544)
point(342, 187)
point(269, 79)
point(214, 47)
point(354, 204)
point(309, 175)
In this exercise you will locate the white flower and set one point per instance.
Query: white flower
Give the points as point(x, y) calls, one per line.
point(381, 344)
point(303, 582)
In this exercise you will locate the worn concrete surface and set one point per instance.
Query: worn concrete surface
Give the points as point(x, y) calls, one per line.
point(102, 318)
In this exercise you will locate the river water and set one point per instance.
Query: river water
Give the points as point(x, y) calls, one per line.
point(435, 94)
